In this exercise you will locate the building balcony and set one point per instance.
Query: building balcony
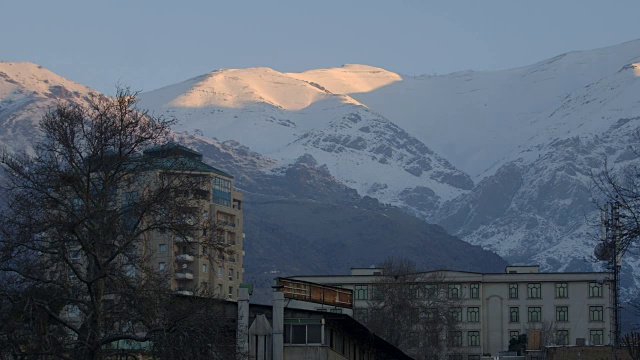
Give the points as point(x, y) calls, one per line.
point(184, 275)
point(186, 239)
point(184, 258)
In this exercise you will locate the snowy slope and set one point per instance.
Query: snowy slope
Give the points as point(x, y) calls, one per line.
point(27, 91)
point(285, 115)
point(473, 119)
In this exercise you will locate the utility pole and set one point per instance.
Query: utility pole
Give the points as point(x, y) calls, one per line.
point(612, 235)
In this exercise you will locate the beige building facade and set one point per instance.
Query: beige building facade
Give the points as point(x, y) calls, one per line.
point(566, 308)
point(208, 261)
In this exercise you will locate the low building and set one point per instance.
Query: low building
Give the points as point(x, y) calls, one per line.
point(565, 308)
point(282, 332)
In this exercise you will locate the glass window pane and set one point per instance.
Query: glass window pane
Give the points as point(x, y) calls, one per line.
point(313, 334)
point(298, 334)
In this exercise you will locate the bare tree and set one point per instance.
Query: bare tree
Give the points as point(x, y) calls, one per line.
point(75, 277)
point(414, 311)
point(631, 343)
point(620, 187)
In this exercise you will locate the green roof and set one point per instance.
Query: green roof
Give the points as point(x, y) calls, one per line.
point(178, 157)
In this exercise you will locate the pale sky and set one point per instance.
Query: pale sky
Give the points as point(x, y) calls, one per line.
point(150, 44)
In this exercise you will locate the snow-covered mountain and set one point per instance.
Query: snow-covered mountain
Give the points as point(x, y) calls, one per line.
point(343, 228)
point(285, 115)
point(502, 159)
point(27, 91)
point(528, 137)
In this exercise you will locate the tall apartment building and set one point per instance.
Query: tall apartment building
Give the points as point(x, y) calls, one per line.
point(196, 265)
point(494, 308)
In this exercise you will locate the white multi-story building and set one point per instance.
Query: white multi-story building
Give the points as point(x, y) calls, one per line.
point(496, 307)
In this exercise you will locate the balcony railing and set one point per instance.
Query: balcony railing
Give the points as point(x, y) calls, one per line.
point(184, 275)
point(186, 239)
point(184, 258)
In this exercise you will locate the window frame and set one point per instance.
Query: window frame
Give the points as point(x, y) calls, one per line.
point(534, 310)
point(562, 313)
point(516, 312)
point(595, 287)
point(454, 291)
point(594, 332)
point(474, 290)
point(534, 291)
point(565, 337)
point(475, 336)
point(456, 313)
point(473, 314)
point(596, 313)
point(562, 290)
point(358, 290)
point(513, 291)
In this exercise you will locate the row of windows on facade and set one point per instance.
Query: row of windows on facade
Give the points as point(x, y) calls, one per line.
point(596, 336)
point(454, 291)
point(534, 313)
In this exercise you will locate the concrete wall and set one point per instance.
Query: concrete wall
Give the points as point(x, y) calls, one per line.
point(586, 353)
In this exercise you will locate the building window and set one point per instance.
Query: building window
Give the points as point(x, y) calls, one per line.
point(429, 314)
point(454, 291)
point(473, 314)
point(534, 314)
point(595, 289)
point(415, 291)
point(129, 270)
point(162, 266)
point(534, 291)
point(473, 338)
point(362, 315)
point(454, 338)
point(596, 337)
point(375, 293)
point(204, 268)
point(513, 291)
point(361, 292)
point(219, 289)
point(514, 334)
point(456, 313)
point(562, 313)
point(562, 290)
point(222, 191)
point(219, 272)
point(595, 313)
point(514, 314)
point(430, 291)
point(230, 274)
point(474, 291)
point(162, 248)
point(303, 334)
point(562, 337)
point(230, 291)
